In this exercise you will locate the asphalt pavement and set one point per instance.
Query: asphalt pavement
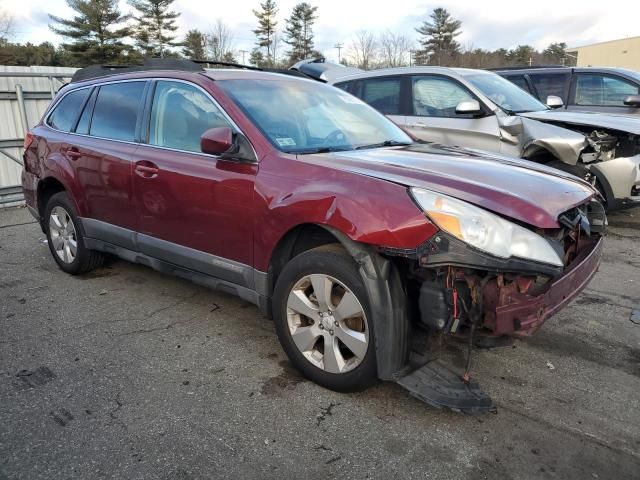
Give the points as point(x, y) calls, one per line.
point(126, 373)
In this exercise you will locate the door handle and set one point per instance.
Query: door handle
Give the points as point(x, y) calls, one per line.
point(73, 153)
point(147, 169)
point(417, 125)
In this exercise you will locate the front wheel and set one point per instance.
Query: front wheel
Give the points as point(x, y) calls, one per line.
point(322, 317)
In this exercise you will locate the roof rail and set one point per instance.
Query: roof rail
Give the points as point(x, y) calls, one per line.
point(527, 67)
point(97, 71)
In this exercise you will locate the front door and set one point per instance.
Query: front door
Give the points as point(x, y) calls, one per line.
point(597, 92)
point(434, 117)
point(195, 210)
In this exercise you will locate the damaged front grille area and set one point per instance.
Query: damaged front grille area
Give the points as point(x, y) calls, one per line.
point(456, 289)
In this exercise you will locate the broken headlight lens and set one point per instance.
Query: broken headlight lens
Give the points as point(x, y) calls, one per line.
point(483, 229)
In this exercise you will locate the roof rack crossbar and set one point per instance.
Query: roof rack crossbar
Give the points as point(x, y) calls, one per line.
point(97, 71)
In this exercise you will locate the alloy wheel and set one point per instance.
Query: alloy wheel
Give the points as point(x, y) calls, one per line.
point(327, 323)
point(63, 236)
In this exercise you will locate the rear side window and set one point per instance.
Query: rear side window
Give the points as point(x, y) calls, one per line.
point(520, 81)
point(66, 113)
point(180, 114)
point(595, 89)
point(85, 118)
point(549, 84)
point(383, 94)
point(116, 110)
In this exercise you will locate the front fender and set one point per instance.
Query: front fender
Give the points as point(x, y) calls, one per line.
point(365, 209)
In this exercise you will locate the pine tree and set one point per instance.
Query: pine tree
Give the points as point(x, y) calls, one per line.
point(299, 31)
point(256, 58)
point(93, 31)
point(438, 37)
point(193, 45)
point(156, 25)
point(266, 26)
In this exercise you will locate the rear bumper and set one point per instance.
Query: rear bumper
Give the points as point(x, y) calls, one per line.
point(29, 190)
point(527, 315)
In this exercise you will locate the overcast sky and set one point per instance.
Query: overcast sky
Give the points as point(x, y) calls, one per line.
point(486, 24)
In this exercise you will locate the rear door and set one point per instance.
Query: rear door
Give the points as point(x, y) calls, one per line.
point(99, 150)
point(434, 119)
point(194, 209)
point(599, 92)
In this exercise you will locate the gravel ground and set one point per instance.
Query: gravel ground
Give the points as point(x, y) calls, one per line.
point(127, 373)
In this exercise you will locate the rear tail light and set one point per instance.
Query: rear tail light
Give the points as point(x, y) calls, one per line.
point(28, 140)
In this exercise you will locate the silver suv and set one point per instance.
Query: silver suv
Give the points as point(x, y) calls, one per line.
point(481, 110)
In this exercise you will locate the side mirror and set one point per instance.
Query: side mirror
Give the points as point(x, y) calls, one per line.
point(216, 141)
point(554, 102)
point(471, 107)
point(632, 101)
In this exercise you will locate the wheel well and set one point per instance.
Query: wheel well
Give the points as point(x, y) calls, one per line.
point(46, 189)
point(298, 240)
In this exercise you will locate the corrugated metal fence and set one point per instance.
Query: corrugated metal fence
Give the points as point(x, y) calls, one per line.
point(25, 94)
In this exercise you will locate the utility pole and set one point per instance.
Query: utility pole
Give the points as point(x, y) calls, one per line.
point(338, 46)
point(243, 52)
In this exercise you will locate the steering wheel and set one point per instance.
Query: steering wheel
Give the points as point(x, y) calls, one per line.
point(335, 136)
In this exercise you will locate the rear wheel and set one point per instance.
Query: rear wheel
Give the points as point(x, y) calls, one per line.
point(65, 239)
point(321, 313)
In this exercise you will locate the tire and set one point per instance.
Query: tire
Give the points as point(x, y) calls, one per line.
point(63, 230)
point(305, 338)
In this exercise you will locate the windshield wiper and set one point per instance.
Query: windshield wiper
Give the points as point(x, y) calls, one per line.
point(386, 143)
point(320, 150)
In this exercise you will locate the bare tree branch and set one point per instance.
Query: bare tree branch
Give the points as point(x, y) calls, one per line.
point(394, 49)
point(363, 50)
point(219, 42)
point(6, 25)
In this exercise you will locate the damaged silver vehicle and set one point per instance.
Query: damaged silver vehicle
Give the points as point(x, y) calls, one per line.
point(481, 110)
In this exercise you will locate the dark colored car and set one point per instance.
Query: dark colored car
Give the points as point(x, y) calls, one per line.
point(586, 89)
point(304, 200)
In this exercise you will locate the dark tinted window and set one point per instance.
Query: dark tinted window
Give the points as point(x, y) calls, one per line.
point(66, 113)
point(519, 81)
point(180, 114)
point(115, 112)
point(383, 94)
point(594, 89)
point(549, 84)
point(85, 118)
point(346, 86)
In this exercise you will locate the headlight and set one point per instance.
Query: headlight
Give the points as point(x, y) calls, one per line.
point(484, 230)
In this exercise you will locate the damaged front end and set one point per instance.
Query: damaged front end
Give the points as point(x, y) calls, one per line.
point(607, 156)
point(462, 292)
point(459, 284)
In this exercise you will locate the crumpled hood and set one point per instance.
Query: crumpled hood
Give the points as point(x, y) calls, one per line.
point(522, 190)
point(592, 119)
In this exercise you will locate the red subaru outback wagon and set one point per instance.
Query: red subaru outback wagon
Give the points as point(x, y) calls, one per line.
point(353, 236)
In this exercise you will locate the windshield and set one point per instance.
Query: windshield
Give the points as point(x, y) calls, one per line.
point(505, 94)
point(308, 117)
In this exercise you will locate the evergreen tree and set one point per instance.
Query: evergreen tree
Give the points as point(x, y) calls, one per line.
point(256, 58)
point(266, 26)
point(555, 53)
point(193, 45)
point(93, 31)
point(155, 32)
point(298, 31)
point(522, 55)
point(438, 37)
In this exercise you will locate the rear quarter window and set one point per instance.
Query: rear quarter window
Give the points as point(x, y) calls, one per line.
point(66, 112)
point(116, 111)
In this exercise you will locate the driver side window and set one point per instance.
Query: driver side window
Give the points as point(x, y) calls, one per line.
point(435, 96)
point(180, 114)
